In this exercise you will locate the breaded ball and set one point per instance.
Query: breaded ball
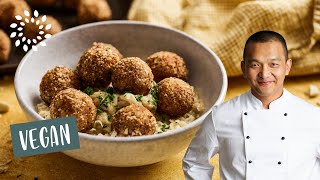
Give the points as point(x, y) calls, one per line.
point(134, 120)
point(166, 64)
point(108, 47)
point(9, 9)
point(95, 65)
point(93, 10)
point(32, 29)
point(5, 47)
point(56, 80)
point(132, 74)
point(176, 97)
point(72, 102)
point(42, 3)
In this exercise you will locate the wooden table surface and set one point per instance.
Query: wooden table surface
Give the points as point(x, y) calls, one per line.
point(60, 166)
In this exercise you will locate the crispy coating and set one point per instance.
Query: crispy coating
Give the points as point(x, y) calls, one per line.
point(32, 30)
point(42, 3)
point(5, 47)
point(9, 9)
point(95, 65)
point(56, 80)
point(134, 120)
point(132, 74)
point(72, 102)
point(166, 64)
point(176, 97)
point(108, 47)
point(93, 10)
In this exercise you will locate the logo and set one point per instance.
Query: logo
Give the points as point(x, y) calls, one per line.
point(40, 137)
point(20, 26)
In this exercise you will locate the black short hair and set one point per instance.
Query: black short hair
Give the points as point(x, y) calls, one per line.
point(266, 36)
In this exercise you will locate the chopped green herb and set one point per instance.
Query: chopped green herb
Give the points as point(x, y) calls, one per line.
point(110, 90)
point(117, 107)
point(99, 110)
point(88, 90)
point(104, 126)
point(164, 127)
point(109, 118)
point(108, 99)
point(111, 97)
point(139, 97)
point(154, 93)
point(101, 99)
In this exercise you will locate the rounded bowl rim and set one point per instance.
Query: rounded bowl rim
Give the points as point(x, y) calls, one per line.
point(193, 124)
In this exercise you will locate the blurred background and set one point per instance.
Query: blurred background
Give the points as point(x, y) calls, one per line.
point(61, 14)
point(224, 26)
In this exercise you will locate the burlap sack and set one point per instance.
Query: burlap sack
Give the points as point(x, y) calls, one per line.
point(225, 26)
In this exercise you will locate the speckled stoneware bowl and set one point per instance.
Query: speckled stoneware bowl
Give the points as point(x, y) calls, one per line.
point(207, 75)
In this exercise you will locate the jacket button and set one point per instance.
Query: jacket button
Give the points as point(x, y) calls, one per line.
point(250, 161)
point(279, 162)
point(285, 114)
point(245, 113)
point(248, 137)
point(283, 138)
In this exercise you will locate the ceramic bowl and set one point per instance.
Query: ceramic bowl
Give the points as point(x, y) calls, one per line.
point(207, 75)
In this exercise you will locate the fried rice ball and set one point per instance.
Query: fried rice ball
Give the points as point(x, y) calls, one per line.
point(93, 10)
point(96, 63)
point(166, 64)
point(11, 8)
point(132, 74)
point(43, 3)
point(134, 120)
point(56, 80)
point(5, 47)
point(72, 102)
point(108, 47)
point(32, 29)
point(176, 97)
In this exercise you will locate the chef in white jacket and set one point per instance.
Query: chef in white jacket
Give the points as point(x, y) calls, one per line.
point(264, 134)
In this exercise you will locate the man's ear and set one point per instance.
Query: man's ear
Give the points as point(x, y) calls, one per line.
point(288, 66)
point(243, 68)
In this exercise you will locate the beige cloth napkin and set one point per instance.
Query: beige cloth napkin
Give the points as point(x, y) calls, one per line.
point(225, 26)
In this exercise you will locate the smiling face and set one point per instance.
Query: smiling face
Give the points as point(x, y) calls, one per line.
point(265, 67)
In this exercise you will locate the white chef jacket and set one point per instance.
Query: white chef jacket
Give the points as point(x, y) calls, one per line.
point(279, 143)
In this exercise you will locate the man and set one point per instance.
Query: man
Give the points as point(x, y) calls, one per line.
point(264, 134)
